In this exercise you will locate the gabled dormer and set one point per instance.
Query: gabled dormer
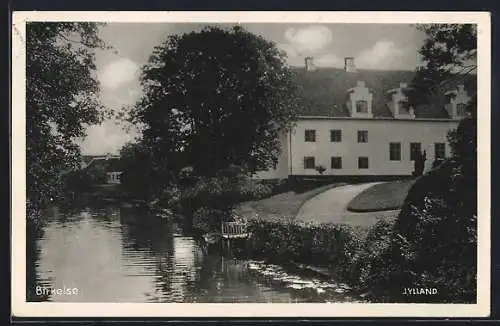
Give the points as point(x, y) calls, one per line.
point(360, 101)
point(398, 103)
point(457, 106)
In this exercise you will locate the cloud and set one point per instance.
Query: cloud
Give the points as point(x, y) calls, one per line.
point(118, 72)
point(382, 55)
point(105, 138)
point(293, 58)
point(329, 60)
point(308, 40)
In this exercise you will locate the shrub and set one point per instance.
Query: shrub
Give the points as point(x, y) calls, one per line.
point(433, 243)
point(223, 192)
point(206, 219)
point(326, 245)
point(441, 229)
point(378, 266)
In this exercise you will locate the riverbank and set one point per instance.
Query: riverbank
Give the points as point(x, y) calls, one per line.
point(293, 229)
point(157, 263)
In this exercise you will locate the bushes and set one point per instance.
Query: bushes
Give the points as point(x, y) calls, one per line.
point(441, 228)
point(439, 221)
point(378, 268)
point(207, 219)
point(209, 200)
point(277, 186)
point(433, 243)
point(223, 192)
point(324, 245)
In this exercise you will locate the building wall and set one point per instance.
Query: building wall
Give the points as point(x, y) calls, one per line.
point(380, 133)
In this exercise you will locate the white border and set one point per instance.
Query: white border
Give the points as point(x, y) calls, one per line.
point(20, 308)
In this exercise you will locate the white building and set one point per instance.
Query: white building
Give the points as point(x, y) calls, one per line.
point(107, 163)
point(358, 123)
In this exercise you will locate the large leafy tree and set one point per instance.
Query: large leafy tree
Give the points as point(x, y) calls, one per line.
point(61, 99)
point(214, 98)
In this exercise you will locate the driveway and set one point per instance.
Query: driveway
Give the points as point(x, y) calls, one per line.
point(330, 207)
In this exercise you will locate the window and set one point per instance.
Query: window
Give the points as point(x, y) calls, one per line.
point(310, 135)
point(461, 109)
point(415, 151)
point(395, 151)
point(361, 106)
point(336, 162)
point(439, 151)
point(335, 135)
point(362, 162)
point(362, 136)
point(309, 162)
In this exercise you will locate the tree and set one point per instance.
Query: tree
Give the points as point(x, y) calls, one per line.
point(61, 98)
point(215, 98)
point(141, 177)
point(438, 221)
point(449, 54)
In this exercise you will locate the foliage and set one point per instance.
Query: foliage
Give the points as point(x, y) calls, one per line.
point(325, 245)
point(433, 243)
point(378, 268)
point(79, 181)
point(61, 98)
point(439, 221)
point(142, 177)
point(277, 186)
point(448, 53)
point(228, 188)
point(209, 219)
point(214, 98)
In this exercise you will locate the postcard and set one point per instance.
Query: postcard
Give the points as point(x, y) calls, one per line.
point(251, 164)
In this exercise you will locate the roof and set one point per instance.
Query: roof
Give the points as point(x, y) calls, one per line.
point(86, 159)
point(324, 91)
point(106, 162)
point(108, 165)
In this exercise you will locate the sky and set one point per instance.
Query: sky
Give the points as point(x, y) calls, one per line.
point(374, 46)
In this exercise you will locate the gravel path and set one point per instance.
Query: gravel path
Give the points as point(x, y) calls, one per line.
point(330, 206)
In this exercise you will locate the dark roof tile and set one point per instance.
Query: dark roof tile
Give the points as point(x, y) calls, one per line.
point(324, 91)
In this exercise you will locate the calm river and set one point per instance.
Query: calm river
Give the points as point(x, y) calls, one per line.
point(113, 254)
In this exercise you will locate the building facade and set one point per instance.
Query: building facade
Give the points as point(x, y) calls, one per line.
point(358, 123)
point(105, 167)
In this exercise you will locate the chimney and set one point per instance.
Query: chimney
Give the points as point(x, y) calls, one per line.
point(349, 64)
point(310, 64)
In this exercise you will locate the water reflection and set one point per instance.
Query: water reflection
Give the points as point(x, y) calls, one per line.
point(113, 254)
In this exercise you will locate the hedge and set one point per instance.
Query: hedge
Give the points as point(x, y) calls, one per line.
point(317, 244)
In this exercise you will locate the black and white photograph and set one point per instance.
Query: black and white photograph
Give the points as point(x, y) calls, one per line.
point(237, 160)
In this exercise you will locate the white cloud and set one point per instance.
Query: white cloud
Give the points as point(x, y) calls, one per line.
point(329, 60)
point(308, 40)
point(293, 58)
point(117, 73)
point(105, 138)
point(288, 49)
point(382, 55)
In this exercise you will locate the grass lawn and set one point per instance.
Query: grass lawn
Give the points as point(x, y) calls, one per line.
point(284, 205)
point(381, 197)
